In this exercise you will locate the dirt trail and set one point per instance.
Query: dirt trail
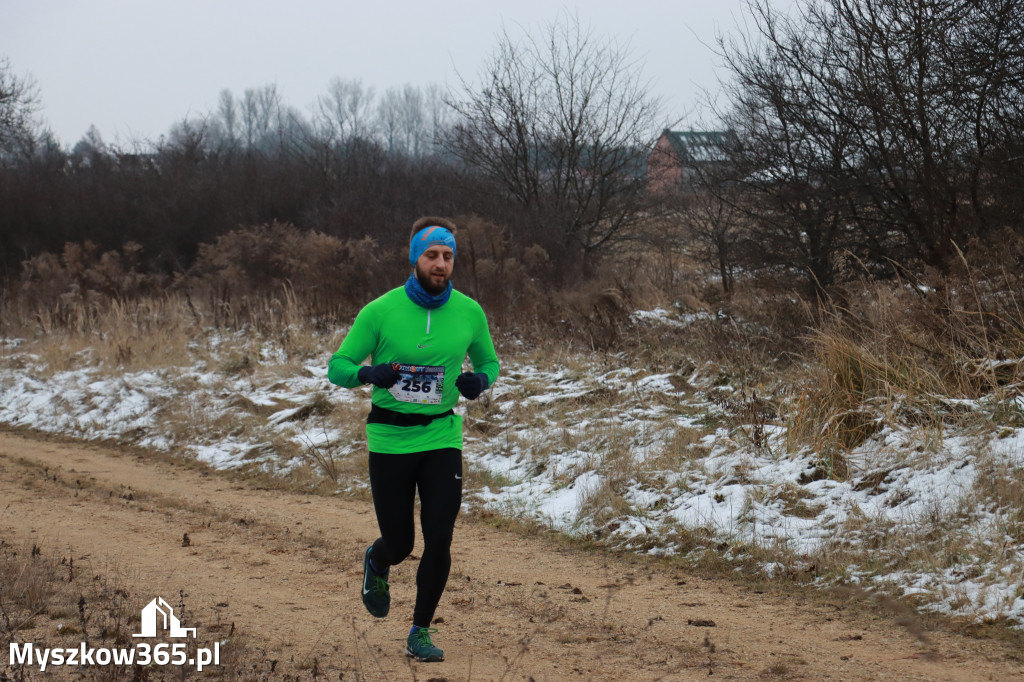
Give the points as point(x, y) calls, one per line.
point(285, 568)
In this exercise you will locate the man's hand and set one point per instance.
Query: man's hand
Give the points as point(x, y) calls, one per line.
point(472, 384)
point(382, 375)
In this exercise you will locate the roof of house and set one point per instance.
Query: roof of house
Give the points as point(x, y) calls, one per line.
point(692, 146)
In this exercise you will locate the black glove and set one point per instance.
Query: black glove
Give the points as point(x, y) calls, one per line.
point(382, 375)
point(472, 384)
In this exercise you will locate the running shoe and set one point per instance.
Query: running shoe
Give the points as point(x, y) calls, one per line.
point(376, 593)
point(421, 648)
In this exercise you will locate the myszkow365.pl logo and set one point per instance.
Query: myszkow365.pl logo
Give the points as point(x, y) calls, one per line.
point(157, 617)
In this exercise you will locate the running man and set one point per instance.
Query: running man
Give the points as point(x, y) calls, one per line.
point(417, 337)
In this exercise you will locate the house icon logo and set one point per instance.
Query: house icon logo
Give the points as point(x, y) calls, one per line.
point(159, 612)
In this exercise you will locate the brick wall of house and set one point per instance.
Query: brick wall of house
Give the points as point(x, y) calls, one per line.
point(664, 170)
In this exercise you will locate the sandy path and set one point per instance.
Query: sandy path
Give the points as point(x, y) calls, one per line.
point(285, 568)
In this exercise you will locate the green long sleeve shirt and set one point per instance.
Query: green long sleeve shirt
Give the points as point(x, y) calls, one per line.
point(430, 346)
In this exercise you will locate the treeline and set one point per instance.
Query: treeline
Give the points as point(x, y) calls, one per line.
point(251, 161)
point(879, 138)
point(543, 148)
point(255, 161)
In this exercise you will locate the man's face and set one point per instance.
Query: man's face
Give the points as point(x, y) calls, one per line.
point(434, 269)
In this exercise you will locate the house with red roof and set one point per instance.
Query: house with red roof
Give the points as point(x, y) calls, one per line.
point(678, 157)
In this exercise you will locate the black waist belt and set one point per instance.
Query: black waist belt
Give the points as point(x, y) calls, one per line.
point(382, 415)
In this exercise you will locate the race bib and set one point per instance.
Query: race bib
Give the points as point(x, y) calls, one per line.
point(422, 384)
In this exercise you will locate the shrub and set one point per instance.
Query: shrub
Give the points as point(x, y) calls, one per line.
point(278, 264)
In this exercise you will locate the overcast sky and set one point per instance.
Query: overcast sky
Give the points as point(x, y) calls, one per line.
point(133, 68)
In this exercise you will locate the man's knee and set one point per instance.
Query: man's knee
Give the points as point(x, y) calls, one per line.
point(397, 551)
point(434, 541)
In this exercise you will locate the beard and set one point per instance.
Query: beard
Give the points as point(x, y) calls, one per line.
point(428, 286)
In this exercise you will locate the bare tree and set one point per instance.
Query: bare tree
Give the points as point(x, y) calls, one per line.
point(436, 113)
point(19, 104)
point(188, 142)
point(406, 120)
point(412, 120)
point(561, 121)
point(876, 126)
point(346, 109)
point(990, 52)
point(712, 217)
point(261, 113)
point(792, 143)
point(227, 118)
point(389, 113)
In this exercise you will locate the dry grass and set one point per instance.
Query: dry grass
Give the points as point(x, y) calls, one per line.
point(49, 599)
point(142, 334)
point(46, 597)
point(617, 464)
point(341, 456)
point(894, 355)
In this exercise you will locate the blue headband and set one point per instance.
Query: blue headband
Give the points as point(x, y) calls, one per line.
point(427, 237)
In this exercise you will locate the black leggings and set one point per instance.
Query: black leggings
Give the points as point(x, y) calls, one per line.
point(394, 479)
